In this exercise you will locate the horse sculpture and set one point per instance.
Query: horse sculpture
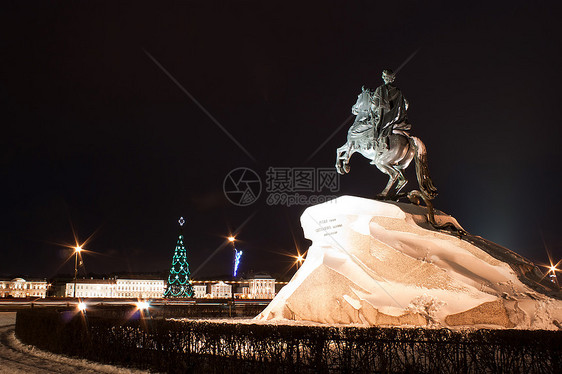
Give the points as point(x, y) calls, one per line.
point(391, 153)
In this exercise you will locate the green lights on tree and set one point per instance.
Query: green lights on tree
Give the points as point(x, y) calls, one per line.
point(179, 284)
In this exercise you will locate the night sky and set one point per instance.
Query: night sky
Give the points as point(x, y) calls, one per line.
point(97, 137)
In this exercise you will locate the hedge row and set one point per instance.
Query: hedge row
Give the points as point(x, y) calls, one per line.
point(212, 347)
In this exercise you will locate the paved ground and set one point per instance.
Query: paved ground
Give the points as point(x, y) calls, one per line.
point(17, 358)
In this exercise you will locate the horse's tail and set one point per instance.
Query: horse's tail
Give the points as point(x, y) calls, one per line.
point(422, 169)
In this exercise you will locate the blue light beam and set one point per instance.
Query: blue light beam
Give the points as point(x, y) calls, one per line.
point(237, 256)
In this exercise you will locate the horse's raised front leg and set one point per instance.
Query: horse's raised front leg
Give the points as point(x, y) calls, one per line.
point(342, 159)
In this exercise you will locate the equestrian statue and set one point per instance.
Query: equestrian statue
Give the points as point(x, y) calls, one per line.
point(380, 133)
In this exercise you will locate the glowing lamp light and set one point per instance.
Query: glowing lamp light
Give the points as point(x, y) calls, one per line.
point(300, 259)
point(78, 249)
point(231, 239)
point(81, 306)
point(142, 305)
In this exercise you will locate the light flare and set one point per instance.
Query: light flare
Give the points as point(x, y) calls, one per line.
point(142, 305)
point(299, 258)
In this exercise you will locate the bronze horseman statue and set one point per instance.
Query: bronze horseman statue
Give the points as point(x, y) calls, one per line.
point(380, 133)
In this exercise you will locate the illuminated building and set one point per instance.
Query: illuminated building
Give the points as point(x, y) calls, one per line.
point(19, 287)
point(140, 288)
point(117, 288)
point(91, 288)
point(200, 291)
point(261, 286)
point(221, 290)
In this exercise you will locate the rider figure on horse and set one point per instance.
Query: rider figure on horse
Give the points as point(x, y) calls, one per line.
point(388, 109)
point(380, 134)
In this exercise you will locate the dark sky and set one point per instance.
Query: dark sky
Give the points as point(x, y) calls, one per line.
point(96, 136)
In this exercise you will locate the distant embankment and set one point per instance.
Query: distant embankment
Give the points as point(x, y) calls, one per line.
point(123, 336)
point(159, 307)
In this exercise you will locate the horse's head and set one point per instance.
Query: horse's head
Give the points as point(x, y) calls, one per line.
point(363, 101)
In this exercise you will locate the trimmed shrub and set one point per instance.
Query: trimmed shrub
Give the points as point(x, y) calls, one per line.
point(199, 346)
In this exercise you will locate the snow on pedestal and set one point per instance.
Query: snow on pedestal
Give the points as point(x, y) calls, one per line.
point(382, 263)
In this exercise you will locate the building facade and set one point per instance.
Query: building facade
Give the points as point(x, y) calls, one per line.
point(199, 291)
point(261, 287)
point(117, 288)
point(221, 290)
point(19, 287)
point(140, 288)
point(91, 288)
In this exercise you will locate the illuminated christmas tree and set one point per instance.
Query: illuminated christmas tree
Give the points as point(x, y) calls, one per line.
point(179, 284)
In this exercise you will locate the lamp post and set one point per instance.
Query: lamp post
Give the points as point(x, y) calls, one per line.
point(237, 256)
point(77, 250)
point(232, 239)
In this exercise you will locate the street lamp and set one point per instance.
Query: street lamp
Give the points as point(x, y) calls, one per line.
point(77, 250)
point(299, 258)
point(553, 269)
point(237, 257)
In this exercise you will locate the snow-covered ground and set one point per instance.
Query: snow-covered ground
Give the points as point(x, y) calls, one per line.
point(7, 318)
point(18, 358)
point(380, 263)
